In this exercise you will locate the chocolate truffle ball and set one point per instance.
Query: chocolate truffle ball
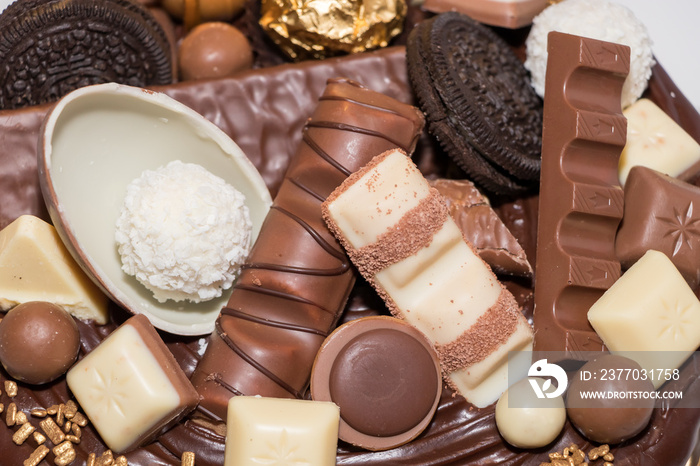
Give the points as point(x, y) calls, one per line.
point(39, 342)
point(526, 421)
point(214, 50)
point(610, 419)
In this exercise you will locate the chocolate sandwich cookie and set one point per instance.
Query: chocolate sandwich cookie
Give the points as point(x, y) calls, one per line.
point(478, 102)
point(49, 48)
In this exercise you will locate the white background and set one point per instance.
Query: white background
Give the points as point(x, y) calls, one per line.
point(674, 28)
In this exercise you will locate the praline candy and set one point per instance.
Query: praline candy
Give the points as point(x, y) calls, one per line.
point(623, 411)
point(39, 342)
point(214, 50)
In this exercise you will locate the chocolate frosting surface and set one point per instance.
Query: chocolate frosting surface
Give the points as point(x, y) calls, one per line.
point(264, 111)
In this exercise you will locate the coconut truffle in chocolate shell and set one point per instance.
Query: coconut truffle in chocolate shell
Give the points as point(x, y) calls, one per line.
point(385, 377)
point(39, 342)
point(616, 418)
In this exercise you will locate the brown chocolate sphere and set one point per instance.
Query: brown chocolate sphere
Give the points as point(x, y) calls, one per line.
point(214, 50)
point(39, 342)
point(615, 418)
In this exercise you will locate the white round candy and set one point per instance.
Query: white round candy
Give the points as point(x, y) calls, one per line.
point(526, 421)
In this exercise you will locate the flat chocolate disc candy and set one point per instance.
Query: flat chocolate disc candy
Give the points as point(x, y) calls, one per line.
point(48, 49)
point(385, 377)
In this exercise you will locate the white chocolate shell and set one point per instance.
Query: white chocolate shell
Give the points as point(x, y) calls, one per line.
point(93, 143)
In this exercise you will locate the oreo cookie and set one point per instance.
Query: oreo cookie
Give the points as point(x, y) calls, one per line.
point(478, 101)
point(49, 48)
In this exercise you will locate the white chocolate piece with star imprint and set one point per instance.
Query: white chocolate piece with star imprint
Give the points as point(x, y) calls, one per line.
point(262, 430)
point(650, 315)
point(130, 386)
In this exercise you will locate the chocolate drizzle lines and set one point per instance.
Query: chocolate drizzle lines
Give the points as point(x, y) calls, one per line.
point(354, 129)
point(281, 294)
point(316, 148)
point(219, 380)
point(229, 311)
point(314, 234)
point(363, 104)
point(306, 189)
point(243, 355)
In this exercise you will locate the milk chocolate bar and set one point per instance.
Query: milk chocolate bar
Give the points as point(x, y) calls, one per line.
point(399, 235)
point(296, 279)
point(580, 198)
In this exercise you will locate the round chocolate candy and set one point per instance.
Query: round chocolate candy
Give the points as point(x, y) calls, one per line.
point(214, 50)
point(526, 421)
point(39, 342)
point(623, 411)
point(385, 377)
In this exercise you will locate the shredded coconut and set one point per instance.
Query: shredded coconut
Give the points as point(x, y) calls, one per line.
point(183, 232)
point(595, 19)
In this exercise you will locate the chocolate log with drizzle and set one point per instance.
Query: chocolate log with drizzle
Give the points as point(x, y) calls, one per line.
point(296, 280)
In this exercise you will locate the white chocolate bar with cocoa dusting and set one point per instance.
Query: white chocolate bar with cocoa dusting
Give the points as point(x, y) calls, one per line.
point(397, 231)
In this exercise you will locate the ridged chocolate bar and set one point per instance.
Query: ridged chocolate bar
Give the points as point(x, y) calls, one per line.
point(297, 278)
point(581, 200)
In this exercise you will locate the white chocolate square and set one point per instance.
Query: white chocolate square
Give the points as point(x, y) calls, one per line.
point(655, 141)
point(123, 389)
point(281, 431)
point(650, 314)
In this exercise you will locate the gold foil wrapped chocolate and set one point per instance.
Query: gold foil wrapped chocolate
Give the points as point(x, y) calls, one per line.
point(324, 28)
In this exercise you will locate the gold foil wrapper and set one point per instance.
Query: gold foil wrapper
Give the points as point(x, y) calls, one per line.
point(324, 28)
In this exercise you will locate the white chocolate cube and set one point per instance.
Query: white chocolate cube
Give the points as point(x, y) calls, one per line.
point(36, 266)
point(130, 386)
point(655, 141)
point(281, 431)
point(649, 315)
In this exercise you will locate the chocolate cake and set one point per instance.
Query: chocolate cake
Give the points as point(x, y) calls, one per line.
point(268, 129)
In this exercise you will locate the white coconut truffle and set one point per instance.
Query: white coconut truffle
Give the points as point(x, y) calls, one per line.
point(183, 232)
point(596, 19)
